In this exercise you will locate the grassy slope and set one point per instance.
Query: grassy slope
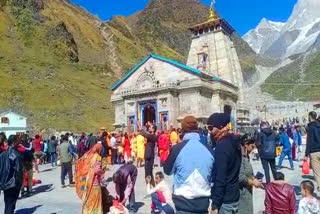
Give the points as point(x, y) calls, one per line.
point(132, 47)
point(39, 81)
point(290, 75)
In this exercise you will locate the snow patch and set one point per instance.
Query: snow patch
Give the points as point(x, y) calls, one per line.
point(305, 15)
point(258, 39)
point(303, 42)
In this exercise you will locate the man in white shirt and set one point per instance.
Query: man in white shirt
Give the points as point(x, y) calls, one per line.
point(72, 140)
point(114, 151)
point(161, 195)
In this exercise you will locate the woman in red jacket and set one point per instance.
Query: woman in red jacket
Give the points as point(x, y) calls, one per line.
point(164, 147)
point(127, 148)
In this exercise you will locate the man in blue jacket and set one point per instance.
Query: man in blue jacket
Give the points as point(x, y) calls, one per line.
point(191, 164)
point(286, 148)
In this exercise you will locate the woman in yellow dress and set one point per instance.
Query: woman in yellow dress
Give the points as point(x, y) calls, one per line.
point(140, 149)
point(133, 143)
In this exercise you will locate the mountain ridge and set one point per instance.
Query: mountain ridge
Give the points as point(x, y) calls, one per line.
point(298, 41)
point(255, 37)
point(296, 36)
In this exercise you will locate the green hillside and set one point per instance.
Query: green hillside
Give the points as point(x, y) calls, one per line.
point(52, 67)
point(299, 80)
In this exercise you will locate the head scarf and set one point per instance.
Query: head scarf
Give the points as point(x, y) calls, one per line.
point(222, 133)
point(96, 149)
point(85, 171)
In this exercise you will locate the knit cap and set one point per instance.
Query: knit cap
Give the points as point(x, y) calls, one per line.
point(219, 120)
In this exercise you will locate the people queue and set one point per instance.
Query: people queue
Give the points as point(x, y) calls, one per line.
point(207, 166)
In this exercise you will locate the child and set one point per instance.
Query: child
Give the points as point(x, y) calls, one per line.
point(280, 196)
point(160, 195)
point(308, 204)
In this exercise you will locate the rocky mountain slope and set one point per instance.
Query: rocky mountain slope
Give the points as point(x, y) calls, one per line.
point(57, 61)
point(262, 37)
point(297, 81)
point(297, 40)
point(297, 35)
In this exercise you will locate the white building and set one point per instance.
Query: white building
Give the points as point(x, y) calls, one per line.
point(12, 123)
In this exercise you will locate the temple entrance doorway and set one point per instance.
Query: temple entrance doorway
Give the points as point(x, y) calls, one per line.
point(227, 109)
point(149, 114)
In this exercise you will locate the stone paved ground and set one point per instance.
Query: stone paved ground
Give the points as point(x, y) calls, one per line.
point(51, 198)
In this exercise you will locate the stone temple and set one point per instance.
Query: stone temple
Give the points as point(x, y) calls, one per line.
point(163, 91)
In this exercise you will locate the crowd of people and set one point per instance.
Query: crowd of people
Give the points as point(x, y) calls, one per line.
point(210, 167)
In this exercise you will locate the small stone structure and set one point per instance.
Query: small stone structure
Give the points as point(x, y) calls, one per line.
point(163, 91)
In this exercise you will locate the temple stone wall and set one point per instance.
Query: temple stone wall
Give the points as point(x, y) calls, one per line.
point(189, 103)
point(197, 46)
point(221, 63)
point(174, 109)
point(215, 105)
point(164, 102)
point(130, 107)
point(145, 77)
point(222, 59)
point(217, 45)
point(119, 113)
point(205, 103)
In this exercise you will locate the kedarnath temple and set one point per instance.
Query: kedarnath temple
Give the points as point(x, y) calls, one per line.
point(163, 91)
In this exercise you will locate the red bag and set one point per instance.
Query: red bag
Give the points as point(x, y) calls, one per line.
point(293, 151)
point(117, 205)
point(305, 168)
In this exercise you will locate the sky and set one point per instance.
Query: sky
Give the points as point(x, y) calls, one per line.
point(243, 15)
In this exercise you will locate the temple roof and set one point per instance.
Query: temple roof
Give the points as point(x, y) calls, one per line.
point(170, 61)
point(214, 20)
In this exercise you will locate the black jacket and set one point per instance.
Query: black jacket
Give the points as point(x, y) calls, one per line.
point(226, 173)
point(127, 170)
point(11, 169)
point(313, 137)
point(267, 141)
point(152, 139)
point(105, 150)
point(27, 156)
point(91, 142)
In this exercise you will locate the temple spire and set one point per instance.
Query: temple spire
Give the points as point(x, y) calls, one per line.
point(212, 14)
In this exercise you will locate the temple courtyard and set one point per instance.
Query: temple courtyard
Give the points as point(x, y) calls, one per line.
point(50, 198)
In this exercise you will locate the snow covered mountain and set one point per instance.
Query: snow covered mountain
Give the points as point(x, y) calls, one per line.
point(261, 38)
point(299, 34)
